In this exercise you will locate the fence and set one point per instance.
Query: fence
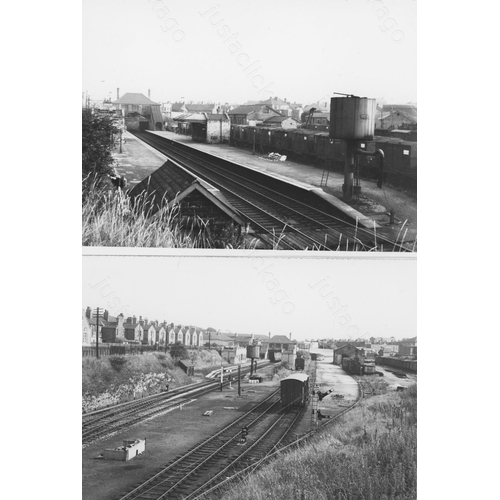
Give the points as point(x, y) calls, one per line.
point(129, 349)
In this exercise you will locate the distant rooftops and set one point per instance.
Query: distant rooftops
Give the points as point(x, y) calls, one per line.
point(135, 99)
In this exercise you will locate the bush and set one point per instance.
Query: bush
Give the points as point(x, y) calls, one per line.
point(97, 141)
point(117, 362)
point(178, 351)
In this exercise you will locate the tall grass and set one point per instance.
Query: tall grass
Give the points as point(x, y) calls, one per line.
point(370, 454)
point(110, 219)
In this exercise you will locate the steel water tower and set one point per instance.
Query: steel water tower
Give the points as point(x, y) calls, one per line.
point(352, 119)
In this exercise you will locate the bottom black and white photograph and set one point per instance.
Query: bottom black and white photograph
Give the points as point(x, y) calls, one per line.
point(248, 376)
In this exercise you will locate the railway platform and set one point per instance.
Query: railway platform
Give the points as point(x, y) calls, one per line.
point(137, 160)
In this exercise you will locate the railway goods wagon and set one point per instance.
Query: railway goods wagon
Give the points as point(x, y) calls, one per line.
point(399, 155)
point(295, 390)
point(265, 138)
point(303, 142)
point(300, 363)
point(236, 134)
point(282, 140)
point(404, 364)
point(351, 366)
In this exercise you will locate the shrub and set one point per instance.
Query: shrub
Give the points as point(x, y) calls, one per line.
point(117, 362)
point(178, 351)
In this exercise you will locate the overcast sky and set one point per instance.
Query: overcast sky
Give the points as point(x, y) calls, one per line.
point(260, 293)
point(234, 51)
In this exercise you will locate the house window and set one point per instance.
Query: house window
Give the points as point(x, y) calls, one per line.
point(406, 152)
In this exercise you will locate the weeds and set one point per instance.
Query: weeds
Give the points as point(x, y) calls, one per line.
point(369, 454)
point(111, 218)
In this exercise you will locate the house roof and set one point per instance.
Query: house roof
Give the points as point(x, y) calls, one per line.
point(136, 99)
point(321, 114)
point(170, 183)
point(249, 108)
point(199, 107)
point(177, 106)
point(186, 362)
point(217, 116)
point(275, 101)
point(129, 326)
point(191, 118)
point(278, 119)
point(280, 339)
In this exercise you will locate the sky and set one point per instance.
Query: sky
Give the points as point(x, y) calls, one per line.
point(234, 51)
point(307, 296)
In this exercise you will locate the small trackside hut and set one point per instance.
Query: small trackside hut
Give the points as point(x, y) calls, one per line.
point(295, 390)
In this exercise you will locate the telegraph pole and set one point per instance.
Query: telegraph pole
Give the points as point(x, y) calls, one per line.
point(97, 335)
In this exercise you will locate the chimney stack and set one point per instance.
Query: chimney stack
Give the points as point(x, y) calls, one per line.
point(149, 93)
point(117, 93)
point(105, 315)
point(88, 313)
point(134, 320)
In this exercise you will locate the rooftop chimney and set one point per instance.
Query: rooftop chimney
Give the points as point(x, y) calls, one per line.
point(117, 93)
point(149, 93)
point(88, 312)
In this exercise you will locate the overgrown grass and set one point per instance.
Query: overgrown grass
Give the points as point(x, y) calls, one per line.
point(371, 454)
point(109, 218)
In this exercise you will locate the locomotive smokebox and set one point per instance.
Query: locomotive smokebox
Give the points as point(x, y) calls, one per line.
point(352, 118)
point(253, 351)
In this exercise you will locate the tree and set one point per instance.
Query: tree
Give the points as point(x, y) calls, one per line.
point(179, 351)
point(97, 141)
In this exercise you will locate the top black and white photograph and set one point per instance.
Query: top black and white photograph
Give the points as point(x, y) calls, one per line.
point(285, 125)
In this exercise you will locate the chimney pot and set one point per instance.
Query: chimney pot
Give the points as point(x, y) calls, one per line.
point(117, 93)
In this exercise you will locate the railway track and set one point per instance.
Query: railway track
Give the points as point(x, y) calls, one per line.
point(193, 473)
point(281, 221)
point(116, 419)
point(212, 492)
point(222, 459)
